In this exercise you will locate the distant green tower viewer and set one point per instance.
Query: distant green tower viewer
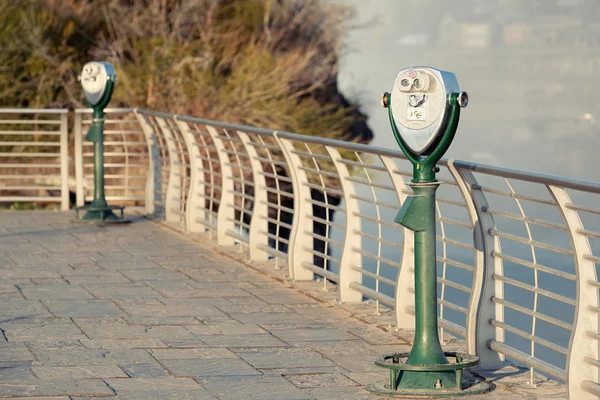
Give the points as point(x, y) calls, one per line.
point(424, 110)
point(98, 81)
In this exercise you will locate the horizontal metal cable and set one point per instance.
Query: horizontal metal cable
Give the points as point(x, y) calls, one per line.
point(454, 285)
point(456, 264)
point(238, 222)
point(385, 299)
point(532, 313)
point(321, 271)
point(375, 202)
point(376, 258)
point(322, 255)
point(534, 289)
point(319, 172)
point(518, 217)
point(278, 177)
point(539, 267)
point(324, 221)
point(278, 192)
point(361, 165)
point(312, 155)
point(324, 188)
point(515, 195)
point(325, 205)
point(379, 221)
point(451, 202)
point(575, 207)
point(278, 206)
point(234, 235)
point(323, 238)
point(455, 243)
point(530, 242)
point(453, 306)
point(378, 238)
point(372, 275)
point(273, 252)
point(271, 161)
point(276, 222)
point(526, 359)
point(370, 183)
point(455, 223)
point(528, 336)
point(273, 236)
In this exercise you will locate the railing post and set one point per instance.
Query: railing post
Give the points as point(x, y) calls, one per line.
point(174, 192)
point(482, 308)
point(351, 262)
point(299, 239)
point(152, 182)
point(259, 225)
point(581, 346)
point(225, 220)
point(195, 201)
point(64, 161)
point(79, 178)
point(405, 284)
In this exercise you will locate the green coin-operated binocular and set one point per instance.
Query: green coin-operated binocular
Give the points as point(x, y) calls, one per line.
point(424, 110)
point(98, 81)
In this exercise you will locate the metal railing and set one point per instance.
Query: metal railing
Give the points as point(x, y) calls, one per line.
point(34, 157)
point(517, 251)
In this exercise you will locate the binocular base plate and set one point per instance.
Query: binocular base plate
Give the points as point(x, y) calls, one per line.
point(383, 389)
point(101, 215)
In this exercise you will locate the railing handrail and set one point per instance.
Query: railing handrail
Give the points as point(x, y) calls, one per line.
point(34, 111)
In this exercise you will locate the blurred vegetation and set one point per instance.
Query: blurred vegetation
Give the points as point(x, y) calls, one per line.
point(268, 63)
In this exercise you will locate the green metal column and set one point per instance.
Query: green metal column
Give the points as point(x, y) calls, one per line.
point(426, 372)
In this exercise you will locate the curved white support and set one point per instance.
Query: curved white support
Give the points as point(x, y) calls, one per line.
point(153, 184)
point(299, 239)
point(481, 307)
point(194, 210)
point(405, 284)
point(581, 346)
point(259, 224)
point(225, 220)
point(174, 192)
point(352, 239)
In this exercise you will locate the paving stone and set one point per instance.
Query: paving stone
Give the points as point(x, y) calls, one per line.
point(271, 318)
point(346, 393)
point(162, 320)
point(79, 372)
point(12, 310)
point(312, 335)
point(254, 388)
point(320, 380)
point(241, 341)
point(50, 328)
point(271, 358)
point(57, 344)
point(143, 370)
point(16, 355)
point(188, 309)
point(228, 328)
point(98, 329)
point(54, 292)
point(92, 357)
point(152, 274)
point(82, 308)
point(120, 290)
point(16, 374)
point(184, 343)
point(116, 344)
point(96, 277)
point(191, 354)
point(164, 388)
point(209, 367)
point(54, 387)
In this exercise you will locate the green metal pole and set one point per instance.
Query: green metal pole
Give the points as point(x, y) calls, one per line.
point(98, 210)
point(426, 347)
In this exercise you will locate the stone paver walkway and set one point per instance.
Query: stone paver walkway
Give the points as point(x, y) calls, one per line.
point(138, 312)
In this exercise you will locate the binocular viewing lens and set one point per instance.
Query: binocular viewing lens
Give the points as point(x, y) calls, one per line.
point(405, 82)
point(418, 84)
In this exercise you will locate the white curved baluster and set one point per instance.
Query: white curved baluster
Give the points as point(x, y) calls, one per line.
point(581, 346)
point(405, 284)
point(174, 192)
point(350, 258)
point(194, 210)
point(481, 307)
point(260, 209)
point(225, 220)
point(153, 183)
point(299, 239)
